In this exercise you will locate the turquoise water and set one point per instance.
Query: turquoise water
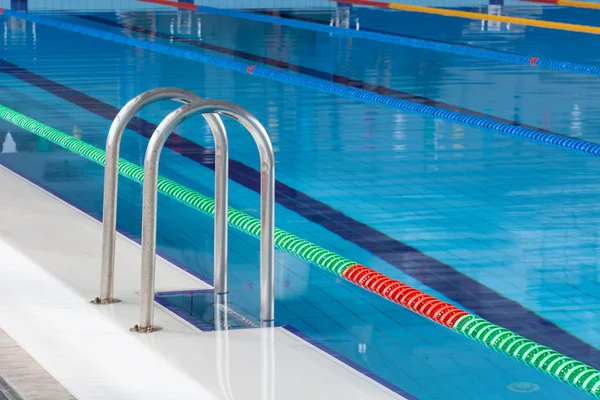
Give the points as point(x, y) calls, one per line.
point(503, 227)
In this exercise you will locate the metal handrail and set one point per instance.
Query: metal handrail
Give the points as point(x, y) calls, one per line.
point(111, 176)
point(151, 163)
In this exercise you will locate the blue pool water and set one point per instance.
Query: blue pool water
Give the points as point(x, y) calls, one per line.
point(499, 226)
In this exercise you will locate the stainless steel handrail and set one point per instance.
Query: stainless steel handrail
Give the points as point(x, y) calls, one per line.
point(151, 164)
point(111, 176)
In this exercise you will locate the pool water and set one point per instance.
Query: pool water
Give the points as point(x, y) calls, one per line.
point(499, 226)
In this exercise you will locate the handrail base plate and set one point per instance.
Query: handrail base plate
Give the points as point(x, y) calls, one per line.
point(148, 329)
point(98, 301)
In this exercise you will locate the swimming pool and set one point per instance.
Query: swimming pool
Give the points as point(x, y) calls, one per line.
point(499, 226)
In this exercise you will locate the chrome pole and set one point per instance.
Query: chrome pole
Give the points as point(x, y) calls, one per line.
point(151, 163)
point(111, 176)
point(149, 210)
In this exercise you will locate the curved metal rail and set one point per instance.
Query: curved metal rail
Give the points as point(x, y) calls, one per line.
point(150, 195)
point(111, 176)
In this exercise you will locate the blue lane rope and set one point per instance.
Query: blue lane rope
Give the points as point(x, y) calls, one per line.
point(409, 41)
point(532, 135)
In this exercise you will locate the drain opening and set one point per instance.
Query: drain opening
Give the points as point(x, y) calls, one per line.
point(523, 387)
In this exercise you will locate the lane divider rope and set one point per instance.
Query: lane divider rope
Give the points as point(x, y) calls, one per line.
point(502, 340)
point(186, 6)
point(443, 47)
point(568, 3)
point(532, 135)
point(479, 16)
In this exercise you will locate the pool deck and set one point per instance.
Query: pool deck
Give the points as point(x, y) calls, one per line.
point(23, 378)
point(49, 264)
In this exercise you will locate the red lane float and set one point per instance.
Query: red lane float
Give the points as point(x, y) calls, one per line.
point(428, 306)
point(186, 6)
